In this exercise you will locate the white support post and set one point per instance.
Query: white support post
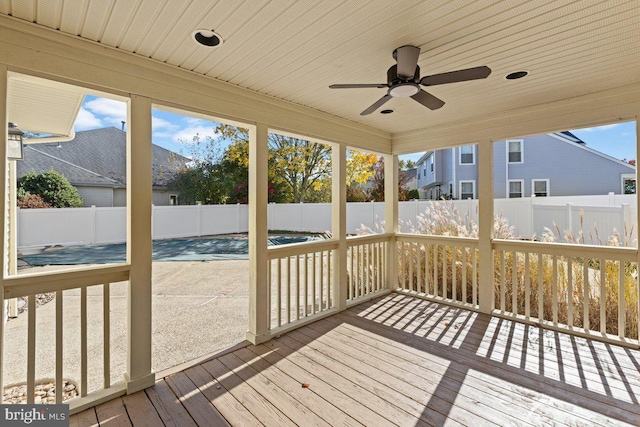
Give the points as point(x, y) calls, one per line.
point(139, 248)
point(259, 309)
point(12, 258)
point(485, 226)
point(339, 224)
point(637, 212)
point(3, 228)
point(391, 217)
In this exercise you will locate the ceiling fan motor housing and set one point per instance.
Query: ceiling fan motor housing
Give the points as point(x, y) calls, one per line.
point(400, 87)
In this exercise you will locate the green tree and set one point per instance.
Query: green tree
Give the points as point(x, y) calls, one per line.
point(52, 187)
point(377, 191)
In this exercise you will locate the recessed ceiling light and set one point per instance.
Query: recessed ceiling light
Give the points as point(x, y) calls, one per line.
point(207, 38)
point(516, 75)
point(386, 111)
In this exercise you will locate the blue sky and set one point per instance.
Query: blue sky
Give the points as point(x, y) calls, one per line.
point(174, 132)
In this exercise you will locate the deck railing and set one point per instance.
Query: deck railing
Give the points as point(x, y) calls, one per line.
point(300, 277)
point(62, 284)
point(366, 266)
point(439, 268)
point(590, 291)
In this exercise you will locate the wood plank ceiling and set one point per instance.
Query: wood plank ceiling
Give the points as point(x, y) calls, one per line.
point(293, 50)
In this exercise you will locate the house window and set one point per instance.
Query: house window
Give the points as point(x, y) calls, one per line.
point(629, 184)
point(424, 172)
point(467, 190)
point(438, 192)
point(514, 148)
point(467, 155)
point(540, 187)
point(451, 189)
point(515, 189)
point(432, 167)
point(173, 200)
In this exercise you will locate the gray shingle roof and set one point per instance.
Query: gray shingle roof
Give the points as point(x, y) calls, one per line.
point(103, 151)
point(38, 162)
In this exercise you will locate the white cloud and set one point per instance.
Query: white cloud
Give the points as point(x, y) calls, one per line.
point(160, 123)
point(186, 134)
point(86, 120)
point(112, 112)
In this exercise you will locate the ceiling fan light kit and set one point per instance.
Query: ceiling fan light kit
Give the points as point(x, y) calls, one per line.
point(403, 80)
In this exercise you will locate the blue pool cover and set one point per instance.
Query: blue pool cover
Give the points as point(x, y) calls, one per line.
point(196, 249)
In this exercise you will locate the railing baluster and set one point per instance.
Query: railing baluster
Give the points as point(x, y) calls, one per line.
point(603, 296)
point(367, 262)
point(378, 257)
point(83, 341)
point(514, 282)
point(279, 294)
point(329, 279)
point(586, 295)
point(436, 264)
point(297, 287)
point(306, 285)
point(59, 348)
point(31, 348)
point(454, 273)
point(403, 260)
point(321, 293)
point(419, 266)
point(288, 294)
point(464, 273)
point(622, 309)
point(474, 285)
point(313, 283)
point(411, 245)
point(554, 290)
point(106, 333)
point(540, 288)
point(445, 277)
point(352, 293)
point(270, 286)
point(503, 290)
point(570, 292)
point(427, 269)
point(527, 286)
point(361, 269)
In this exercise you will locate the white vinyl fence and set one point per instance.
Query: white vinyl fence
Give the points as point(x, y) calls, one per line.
point(596, 216)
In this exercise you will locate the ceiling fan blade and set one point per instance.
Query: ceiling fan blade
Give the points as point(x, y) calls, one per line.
point(376, 105)
point(475, 73)
point(407, 57)
point(357, 86)
point(428, 100)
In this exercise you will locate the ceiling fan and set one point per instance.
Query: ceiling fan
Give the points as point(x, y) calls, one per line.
point(403, 80)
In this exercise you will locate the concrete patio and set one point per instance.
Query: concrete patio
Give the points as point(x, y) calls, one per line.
point(198, 308)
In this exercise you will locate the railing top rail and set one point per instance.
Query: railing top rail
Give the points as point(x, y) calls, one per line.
point(293, 249)
point(36, 283)
point(369, 238)
point(592, 251)
point(443, 240)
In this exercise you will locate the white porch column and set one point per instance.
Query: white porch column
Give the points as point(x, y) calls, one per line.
point(485, 225)
point(259, 306)
point(3, 200)
point(339, 224)
point(637, 205)
point(139, 248)
point(391, 217)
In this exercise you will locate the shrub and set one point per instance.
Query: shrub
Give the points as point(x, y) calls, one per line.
point(32, 201)
point(53, 188)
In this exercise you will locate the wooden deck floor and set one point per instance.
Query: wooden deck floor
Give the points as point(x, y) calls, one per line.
point(396, 361)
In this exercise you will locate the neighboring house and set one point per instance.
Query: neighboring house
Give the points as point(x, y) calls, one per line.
point(95, 163)
point(411, 178)
point(556, 164)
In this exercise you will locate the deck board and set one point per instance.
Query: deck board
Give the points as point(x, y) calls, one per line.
point(397, 361)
